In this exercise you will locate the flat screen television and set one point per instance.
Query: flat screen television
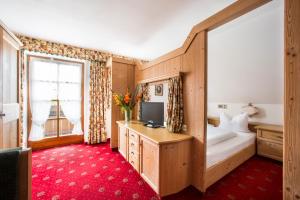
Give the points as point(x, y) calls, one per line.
point(152, 111)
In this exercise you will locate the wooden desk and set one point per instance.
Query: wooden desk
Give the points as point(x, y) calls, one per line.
point(163, 159)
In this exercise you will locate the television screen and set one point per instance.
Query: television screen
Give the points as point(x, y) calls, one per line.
point(152, 111)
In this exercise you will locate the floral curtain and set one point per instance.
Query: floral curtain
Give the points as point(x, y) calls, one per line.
point(143, 96)
point(100, 79)
point(175, 105)
point(21, 100)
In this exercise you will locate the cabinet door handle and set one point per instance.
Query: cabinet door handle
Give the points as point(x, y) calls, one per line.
point(132, 162)
point(132, 144)
point(132, 153)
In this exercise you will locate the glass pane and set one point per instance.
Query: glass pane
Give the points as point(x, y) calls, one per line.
point(40, 91)
point(70, 118)
point(43, 71)
point(51, 123)
point(65, 126)
point(70, 73)
point(70, 91)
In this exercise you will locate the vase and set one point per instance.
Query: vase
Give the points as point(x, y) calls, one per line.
point(128, 116)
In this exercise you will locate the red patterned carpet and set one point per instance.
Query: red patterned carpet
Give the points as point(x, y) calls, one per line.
point(84, 172)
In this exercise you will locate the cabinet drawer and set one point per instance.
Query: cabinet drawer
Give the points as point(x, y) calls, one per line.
point(269, 149)
point(271, 135)
point(133, 145)
point(134, 162)
point(133, 136)
point(134, 154)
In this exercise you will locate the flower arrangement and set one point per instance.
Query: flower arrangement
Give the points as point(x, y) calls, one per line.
point(127, 102)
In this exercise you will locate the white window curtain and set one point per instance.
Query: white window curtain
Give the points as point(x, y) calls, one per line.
point(50, 81)
point(70, 94)
point(43, 89)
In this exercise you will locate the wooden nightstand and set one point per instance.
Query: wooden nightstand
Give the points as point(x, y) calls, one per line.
point(270, 141)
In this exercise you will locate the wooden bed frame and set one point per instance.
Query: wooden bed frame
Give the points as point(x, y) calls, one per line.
point(219, 170)
point(222, 168)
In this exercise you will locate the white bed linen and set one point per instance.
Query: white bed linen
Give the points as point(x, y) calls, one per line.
point(216, 135)
point(218, 152)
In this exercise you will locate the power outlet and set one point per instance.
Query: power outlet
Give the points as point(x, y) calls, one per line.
point(222, 106)
point(184, 127)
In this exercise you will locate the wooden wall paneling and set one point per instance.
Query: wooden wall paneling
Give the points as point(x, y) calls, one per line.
point(122, 78)
point(194, 69)
point(180, 175)
point(291, 157)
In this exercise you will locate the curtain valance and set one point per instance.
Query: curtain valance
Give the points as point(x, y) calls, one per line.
point(53, 48)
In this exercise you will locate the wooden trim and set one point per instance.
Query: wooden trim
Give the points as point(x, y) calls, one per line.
point(9, 39)
point(228, 14)
point(123, 60)
point(201, 76)
point(10, 33)
point(219, 170)
point(172, 54)
point(57, 141)
point(160, 78)
point(291, 152)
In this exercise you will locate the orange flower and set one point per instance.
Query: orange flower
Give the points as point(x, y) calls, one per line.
point(127, 98)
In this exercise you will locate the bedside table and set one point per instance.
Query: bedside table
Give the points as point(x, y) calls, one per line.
point(270, 141)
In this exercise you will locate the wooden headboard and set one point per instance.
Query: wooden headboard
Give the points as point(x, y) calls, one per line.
point(216, 121)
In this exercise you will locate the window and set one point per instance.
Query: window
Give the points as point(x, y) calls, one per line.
point(55, 98)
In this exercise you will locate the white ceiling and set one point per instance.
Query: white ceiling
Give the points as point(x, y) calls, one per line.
point(142, 29)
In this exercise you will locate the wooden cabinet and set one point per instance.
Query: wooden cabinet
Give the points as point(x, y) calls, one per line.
point(163, 159)
point(270, 141)
point(134, 150)
point(150, 163)
point(123, 141)
point(122, 79)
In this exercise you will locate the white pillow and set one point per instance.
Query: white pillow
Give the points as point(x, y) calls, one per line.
point(225, 122)
point(240, 123)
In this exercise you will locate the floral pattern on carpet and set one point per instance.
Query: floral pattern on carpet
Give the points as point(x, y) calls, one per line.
point(86, 172)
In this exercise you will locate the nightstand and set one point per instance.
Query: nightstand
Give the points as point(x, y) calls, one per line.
point(270, 141)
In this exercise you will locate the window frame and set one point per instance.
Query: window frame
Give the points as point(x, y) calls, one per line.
point(58, 139)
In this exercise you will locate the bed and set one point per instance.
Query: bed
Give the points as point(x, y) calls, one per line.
point(225, 151)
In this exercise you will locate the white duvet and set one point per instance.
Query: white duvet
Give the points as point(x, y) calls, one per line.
point(216, 135)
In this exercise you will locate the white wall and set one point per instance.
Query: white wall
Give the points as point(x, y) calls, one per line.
point(163, 98)
point(245, 63)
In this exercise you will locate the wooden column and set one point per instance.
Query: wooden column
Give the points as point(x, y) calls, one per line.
point(291, 171)
point(194, 66)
